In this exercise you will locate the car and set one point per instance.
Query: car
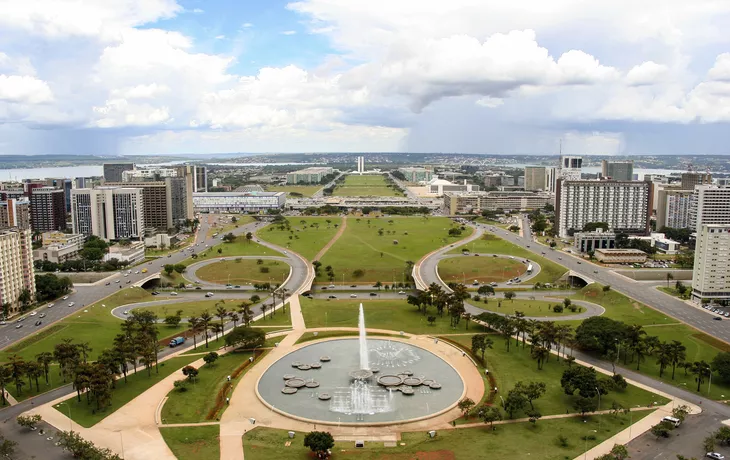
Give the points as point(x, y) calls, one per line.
point(372, 294)
point(126, 312)
point(116, 281)
point(493, 284)
point(715, 455)
point(579, 262)
point(155, 293)
point(476, 255)
point(528, 245)
point(324, 288)
point(511, 257)
point(50, 305)
point(595, 271)
point(18, 326)
point(71, 304)
point(3, 323)
point(332, 297)
point(209, 294)
point(129, 281)
point(38, 323)
point(198, 288)
point(229, 287)
point(137, 272)
point(331, 286)
point(401, 292)
point(717, 318)
point(170, 255)
point(726, 315)
point(173, 293)
point(353, 296)
point(353, 285)
point(125, 275)
point(65, 297)
point(42, 315)
point(560, 258)
point(237, 286)
point(543, 253)
point(509, 282)
point(33, 313)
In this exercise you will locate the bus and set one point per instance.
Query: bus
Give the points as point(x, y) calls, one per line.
point(529, 269)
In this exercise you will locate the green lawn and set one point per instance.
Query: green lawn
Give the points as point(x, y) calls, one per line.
point(361, 247)
point(308, 235)
point(223, 228)
point(193, 405)
point(395, 315)
point(240, 247)
point(492, 244)
point(244, 271)
point(309, 336)
point(620, 307)
point(193, 442)
point(372, 185)
point(518, 440)
point(305, 190)
point(193, 308)
point(673, 292)
point(87, 416)
point(533, 308)
point(467, 269)
point(510, 367)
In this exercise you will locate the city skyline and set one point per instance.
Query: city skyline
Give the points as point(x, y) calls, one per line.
point(168, 77)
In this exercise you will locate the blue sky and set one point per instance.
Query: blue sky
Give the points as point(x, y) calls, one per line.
point(217, 76)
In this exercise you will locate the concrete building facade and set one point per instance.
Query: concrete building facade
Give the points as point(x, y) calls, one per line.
point(238, 202)
point(710, 205)
point(164, 202)
point(308, 175)
point(113, 171)
point(624, 205)
point(471, 202)
point(618, 170)
point(15, 213)
point(111, 213)
point(673, 208)
point(711, 273)
point(620, 256)
point(417, 174)
point(690, 179)
point(47, 209)
point(571, 167)
point(59, 247)
point(591, 241)
point(16, 267)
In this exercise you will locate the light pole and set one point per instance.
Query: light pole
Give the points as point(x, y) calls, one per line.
point(709, 384)
point(121, 440)
point(599, 408)
point(585, 452)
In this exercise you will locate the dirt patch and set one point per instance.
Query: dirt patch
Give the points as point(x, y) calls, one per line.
point(637, 305)
point(432, 455)
point(713, 342)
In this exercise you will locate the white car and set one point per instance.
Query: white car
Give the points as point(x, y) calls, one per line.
point(65, 297)
point(353, 296)
point(137, 272)
point(71, 304)
point(50, 305)
point(33, 313)
point(402, 292)
point(173, 293)
point(715, 455)
point(126, 312)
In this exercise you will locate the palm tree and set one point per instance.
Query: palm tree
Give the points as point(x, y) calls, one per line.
point(34, 370)
point(678, 353)
point(664, 356)
point(700, 369)
point(246, 313)
point(16, 364)
point(195, 324)
point(540, 354)
point(217, 328)
point(205, 319)
point(263, 309)
point(221, 312)
point(6, 377)
point(284, 292)
point(235, 318)
point(640, 349)
point(669, 278)
point(85, 349)
point(45, 359)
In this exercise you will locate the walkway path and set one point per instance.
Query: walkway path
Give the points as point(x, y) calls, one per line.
point(334, 239)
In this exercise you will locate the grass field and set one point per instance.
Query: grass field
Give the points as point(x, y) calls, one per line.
point(395, 315)
point(309, 336)
point(244, 271)
point(192, 308)
point(305, 190)
point(518, 440)
point(240, 247)
point(87, 416)
point(308, 235)
point(533, 308)
point(620, 307)
point(365, 186)
point(361, 247)
point(673, 292)
point(193, 405)
point(228, 226)
point(510, 367)
point(193, 442)
point(466, 269)
point(492, 244)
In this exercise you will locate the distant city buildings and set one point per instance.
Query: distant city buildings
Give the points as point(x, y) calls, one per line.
point(690, 179)
point(59, 247)
point(540, 178)
point(475, 202)
point(111, 213)
point(624, 205)
point(308, 175)
point(416, 175)
point(17, 273)
point(238, 202)
point(47, 209)
point(113, 171)
point(711, 273)
point(15, 212)
point(618, 170)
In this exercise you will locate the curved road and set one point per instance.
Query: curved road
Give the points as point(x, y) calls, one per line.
point(193, 278)
point(535, 267)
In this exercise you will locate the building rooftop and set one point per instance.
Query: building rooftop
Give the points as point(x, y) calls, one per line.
point(621, 251)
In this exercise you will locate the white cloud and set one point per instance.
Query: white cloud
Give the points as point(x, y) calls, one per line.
point(141, 91)
point(24, 89)
point(220, 37)
point(246, 25)
point(721, 70)
point(289, 32)
point(646, 73)
point(198, 11)
point(490, 102)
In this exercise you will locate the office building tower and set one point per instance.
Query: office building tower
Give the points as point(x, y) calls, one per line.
point(47, 209)
point(673, 208)
point(624, 205)
point(360, 165)
point(551, 177)
point(570, 167)
point(711, 272)
point(64, 184)
point(113, 171)
point(200, 182)
point(164, 202)
point(16, 267)
point(690, 179)
point(710, 205)
point(111, 213)
point(308, 175)
point(539, 178)
point(618, 170)
point(15, 213)
point(187, 172)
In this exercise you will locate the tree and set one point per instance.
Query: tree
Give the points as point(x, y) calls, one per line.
point(701, 370)
point(618, 452)
point(245, 337)
point(78, 447)
point(173, 320)
point(465, 406)
point(662, 429)
point(45, 359)
point(584, 405)
point(210, 358)
point(540, 354)
point(599, 334)
point(229, 238)
point(480, 343)
point(509, 295)
point(34, 371)
point(205, 320)
point(514, 401)
point(169, 268)
point(249, 237)
point(670, 277)
point(680, 412)
point(485, 289)
point(533, 416)
point(678, 354)
point(49, 286)
point(532, 391)
point(180, 268)
point(28, 421)
point(25, 297)
point(489, 414)
point(190, 372)
point(7, 447)
point(721, 364)
point(581, 379)
point(378, 285)
point(319, 442)
point(6, 377)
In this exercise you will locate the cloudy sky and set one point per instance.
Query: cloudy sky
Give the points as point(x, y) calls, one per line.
point(475, 76)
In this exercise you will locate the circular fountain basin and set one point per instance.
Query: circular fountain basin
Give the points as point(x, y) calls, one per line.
point(409, 400)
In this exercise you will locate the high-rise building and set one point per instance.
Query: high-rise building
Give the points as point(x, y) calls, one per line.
point(551, 178)
point(690, 179)
point(47, 209)
point(624, 205)
point(570, 167)
point(618, 170)
point(673, 208)
point(711, 273)
point(16, 267)
point(113, 171)
point(111, 213)
point(164, 201)
point(187, 172)
point(710, 205)
point(64, 184)
point(535, 177)
point(200, 182)
point(147, 174)
point(360, 165)
point(15, 213)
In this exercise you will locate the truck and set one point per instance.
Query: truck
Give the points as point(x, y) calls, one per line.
point(177, 341)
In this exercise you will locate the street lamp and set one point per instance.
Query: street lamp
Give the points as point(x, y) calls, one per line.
point(599, 408)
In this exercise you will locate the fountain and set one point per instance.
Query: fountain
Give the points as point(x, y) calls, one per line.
point(364, 354)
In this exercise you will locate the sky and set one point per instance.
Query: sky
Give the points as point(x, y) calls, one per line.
point(265, 76)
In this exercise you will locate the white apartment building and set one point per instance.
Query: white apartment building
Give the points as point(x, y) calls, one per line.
point(111, 213)
point(16, 267)
point(711, 275)
point(710, 205)
point(673, 208)
point(624, 205)
point(570, 167)
point(221, 202)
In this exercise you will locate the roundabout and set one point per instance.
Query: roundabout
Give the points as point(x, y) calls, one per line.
point(485, 268)
point(210, 270)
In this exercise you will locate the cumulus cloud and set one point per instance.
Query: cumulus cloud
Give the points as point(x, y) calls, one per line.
point(289, 32)
point(24, 89)
point(646, 73)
